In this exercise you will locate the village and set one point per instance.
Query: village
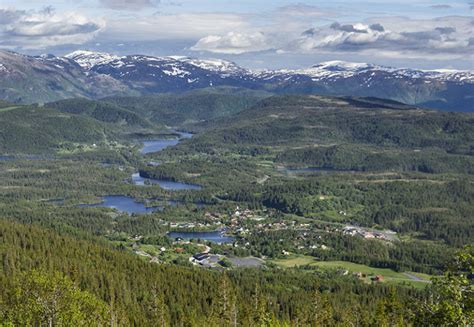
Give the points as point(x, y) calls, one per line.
point(211, 242)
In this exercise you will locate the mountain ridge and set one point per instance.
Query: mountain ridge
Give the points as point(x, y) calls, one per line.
point(89, 59)
point(96, 75)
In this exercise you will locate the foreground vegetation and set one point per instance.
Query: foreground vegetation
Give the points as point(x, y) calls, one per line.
point(114, 287)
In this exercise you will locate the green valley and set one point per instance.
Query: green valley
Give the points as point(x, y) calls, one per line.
point(355, 205)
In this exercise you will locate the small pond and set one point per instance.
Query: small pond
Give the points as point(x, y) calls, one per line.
point(216, 236)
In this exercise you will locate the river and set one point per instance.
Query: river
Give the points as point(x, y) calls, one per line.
point(157, 146)
point(130, 205)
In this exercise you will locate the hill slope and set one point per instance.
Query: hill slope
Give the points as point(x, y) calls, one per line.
point(346, 133)
point(102, 111)
point(192, 106)
point(32, 129)
point(133, 288)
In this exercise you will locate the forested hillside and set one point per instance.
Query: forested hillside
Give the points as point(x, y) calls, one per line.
point(67, 126)
point(348, 134)
point(104, 112)
point(35, 130)
point(117, 288)
point(191, 107)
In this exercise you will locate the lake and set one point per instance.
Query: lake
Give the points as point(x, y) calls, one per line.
point(159, 145)
point(123, 204)
point(216, 236)
point(156, 146)
point(164, 184)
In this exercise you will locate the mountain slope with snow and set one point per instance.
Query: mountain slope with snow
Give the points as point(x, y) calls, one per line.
point(447, 90)
point(89, 59)
point(340, 69)
point(94, 75)
point(26, 79)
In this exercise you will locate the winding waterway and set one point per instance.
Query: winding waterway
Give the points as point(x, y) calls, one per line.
point(157, 146)
point(130, 205)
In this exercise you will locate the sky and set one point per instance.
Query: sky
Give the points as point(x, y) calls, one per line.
point(257, 34)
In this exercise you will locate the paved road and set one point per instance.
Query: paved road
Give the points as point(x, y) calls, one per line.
point(416, 278)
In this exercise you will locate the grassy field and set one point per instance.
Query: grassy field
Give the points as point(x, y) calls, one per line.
point(389, 275)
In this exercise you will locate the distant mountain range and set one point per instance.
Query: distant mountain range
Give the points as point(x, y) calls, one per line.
point(26, 79)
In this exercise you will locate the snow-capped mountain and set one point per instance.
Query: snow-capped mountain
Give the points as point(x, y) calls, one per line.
point(224, 67)
point(89, 59)
point(182, 67)
point(441, 89)
point(333, 70)
point(150, 74)
point(95, 74)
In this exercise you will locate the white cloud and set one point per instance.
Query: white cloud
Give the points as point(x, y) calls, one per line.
point(40, 29)
point(234, 43)
point(387, 36)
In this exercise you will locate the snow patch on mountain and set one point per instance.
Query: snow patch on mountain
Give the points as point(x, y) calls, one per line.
point(88, 59)
point(216, 65)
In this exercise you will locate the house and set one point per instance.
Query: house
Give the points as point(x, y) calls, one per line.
point(378, 278)
point(206, 259)
point(200, 256)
